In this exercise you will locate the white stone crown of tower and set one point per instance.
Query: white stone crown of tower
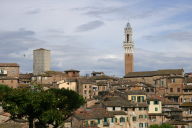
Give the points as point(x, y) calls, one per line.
point(128, 43)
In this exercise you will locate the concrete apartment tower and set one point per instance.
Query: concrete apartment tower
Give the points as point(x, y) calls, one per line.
point(129, 49)
point(41, 61)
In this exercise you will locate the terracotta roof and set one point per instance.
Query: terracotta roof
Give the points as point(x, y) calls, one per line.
point(118, 112)
point(155, 114)
point(136, 92)
point(173, 95)
point(97, 72)
point(71, 70)
point(9, 65)
point(189, 80)
point(187, 87)
point(54, 73)
point(120, 102)
point(116, 101)
point(25, 76)
point(95, 113)
point(186, 104)
point(103, 77)
point(153, 97)
point(172, 109)
point(164, 100)
point(154, 73)
point(8, 78)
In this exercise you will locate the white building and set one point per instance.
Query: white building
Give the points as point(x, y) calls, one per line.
point(41, 61)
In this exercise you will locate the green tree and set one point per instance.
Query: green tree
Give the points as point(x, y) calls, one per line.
point(154, 126)
point(161, 126)
point(166, 126)
point(44, 107)
point(66, 101)
point(4, 89)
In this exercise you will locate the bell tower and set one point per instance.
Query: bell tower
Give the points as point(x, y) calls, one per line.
point(129, 49)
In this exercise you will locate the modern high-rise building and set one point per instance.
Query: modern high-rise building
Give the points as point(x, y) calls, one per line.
point(41, 61)
point(129, 49)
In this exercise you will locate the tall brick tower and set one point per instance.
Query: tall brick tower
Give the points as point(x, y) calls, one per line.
point(129, 49)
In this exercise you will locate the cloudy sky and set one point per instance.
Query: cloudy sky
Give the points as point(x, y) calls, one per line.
point(87, 34)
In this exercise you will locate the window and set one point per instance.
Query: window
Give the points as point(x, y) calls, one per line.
point(171, 89)
point(85, 91)
point(2, 81)
point(86, 123)
point(156, 109)
point(112, 120)
point(125, 109)
point(142, 98)
point(127, 37)
point(173, 80)
point(140, 116)
point(141, 125)
point(115, 120)
point(85, 86)
point(156, 102)
point(122, 119)
point(145, 116)
point(133, 98)
point(152, 117)
point(146, 125)
point(113, 108)
point(162, 83)
point(139, 99)
point(105, 119)
point(140, 109)
point(134, 118)
point(178, 90)
point(92, 123)
point(98, 121)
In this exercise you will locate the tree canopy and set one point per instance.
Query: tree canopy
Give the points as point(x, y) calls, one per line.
point(4, 89)
point(53, 106)
point(161, 126)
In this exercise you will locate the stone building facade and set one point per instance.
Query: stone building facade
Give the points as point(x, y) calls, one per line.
point(41, 61)
point(9, 74)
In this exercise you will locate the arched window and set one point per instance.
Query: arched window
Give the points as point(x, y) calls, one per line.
point(122, 119)
point(127, 37)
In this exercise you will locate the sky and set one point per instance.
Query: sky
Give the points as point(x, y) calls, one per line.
point(88, 35)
